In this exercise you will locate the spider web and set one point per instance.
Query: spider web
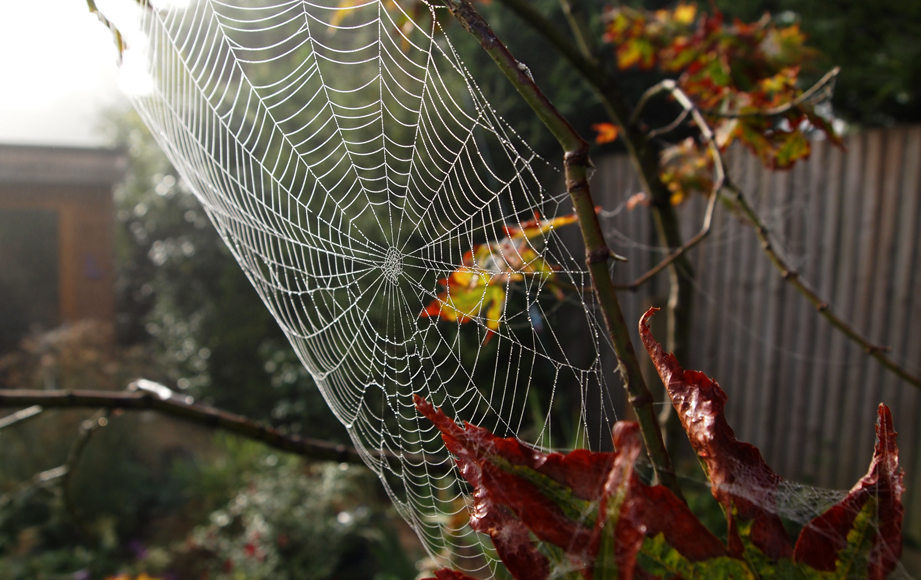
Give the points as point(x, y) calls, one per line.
point(351, 164)
point(349, 161)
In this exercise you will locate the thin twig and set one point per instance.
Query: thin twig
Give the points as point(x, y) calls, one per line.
point(671, 126)
point(719, 167)
point(575, 15)
point(576, 164)
point(87, 429)
point(792, 277)
point(698, 237)
point(39, 479)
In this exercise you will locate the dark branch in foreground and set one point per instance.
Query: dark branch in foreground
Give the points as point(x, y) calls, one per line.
point(576, 163)
point(183, 408)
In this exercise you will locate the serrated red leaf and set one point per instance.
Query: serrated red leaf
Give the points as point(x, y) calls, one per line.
point(739, 478)
point(825, 537)
point(498, 494)
point(507, 504)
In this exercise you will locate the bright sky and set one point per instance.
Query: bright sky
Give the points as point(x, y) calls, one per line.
point(57, 73)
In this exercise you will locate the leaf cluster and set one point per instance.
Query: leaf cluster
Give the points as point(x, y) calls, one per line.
point(588, 515)
point(743, 77)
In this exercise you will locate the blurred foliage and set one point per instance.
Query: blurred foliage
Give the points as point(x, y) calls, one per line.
point(180, 291)
point(121, 484)
point(875, 44)
point(157, 496)
point(292, 520)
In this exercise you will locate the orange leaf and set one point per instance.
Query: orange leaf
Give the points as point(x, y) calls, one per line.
point(607, 132)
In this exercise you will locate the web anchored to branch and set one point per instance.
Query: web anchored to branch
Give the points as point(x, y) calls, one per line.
point(392, 223)
point(396, 227)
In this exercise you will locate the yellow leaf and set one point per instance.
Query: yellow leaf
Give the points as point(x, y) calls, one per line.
point(685, 13)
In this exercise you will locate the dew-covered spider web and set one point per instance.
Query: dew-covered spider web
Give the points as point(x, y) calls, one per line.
point(391, 221)
point(399, 230)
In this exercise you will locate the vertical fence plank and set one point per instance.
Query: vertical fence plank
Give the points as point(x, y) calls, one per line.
point(840, 300)
point(793, 342)
point(725, 297)
point(854, 416)
point(907, 322)
point(771, 322)
point(753, 279)
point(879, 298)
point(824, 222)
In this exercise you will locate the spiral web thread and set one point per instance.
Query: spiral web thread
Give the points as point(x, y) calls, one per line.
point(349, 161)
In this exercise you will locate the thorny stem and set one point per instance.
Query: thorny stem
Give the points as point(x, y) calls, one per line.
point(576, 162)
point(181, 408)
point(645, 159)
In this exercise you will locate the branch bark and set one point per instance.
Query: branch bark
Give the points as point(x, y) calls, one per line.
point(576, 162)
point(140, 400)
point(644, 156)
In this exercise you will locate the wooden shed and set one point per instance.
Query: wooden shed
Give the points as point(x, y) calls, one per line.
point(56, 237)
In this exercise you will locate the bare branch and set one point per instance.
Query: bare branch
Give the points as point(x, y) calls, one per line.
point(719, 166)
point(180, 407)
point(792, 277)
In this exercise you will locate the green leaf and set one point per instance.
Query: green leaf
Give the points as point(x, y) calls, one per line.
point(661, 560)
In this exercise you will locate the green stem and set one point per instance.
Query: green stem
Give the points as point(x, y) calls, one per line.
point(575, 14)
point(598, 254)
point(645, 159)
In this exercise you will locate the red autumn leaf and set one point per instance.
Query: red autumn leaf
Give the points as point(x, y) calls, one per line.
point(592, 505)
point(860, 537)
point(739, 478)
point(648, 512)
point(449, 574)
point(477, 452)
point(825, 537)
point(608, 524)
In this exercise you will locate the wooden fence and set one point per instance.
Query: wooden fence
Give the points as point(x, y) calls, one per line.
point(850, 223)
